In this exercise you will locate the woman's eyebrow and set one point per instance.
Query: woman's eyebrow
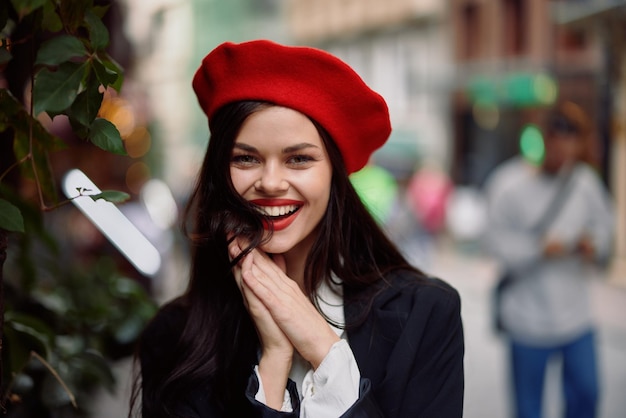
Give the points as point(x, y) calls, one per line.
point(292, 148)
point(245, 147)
point(298, 147)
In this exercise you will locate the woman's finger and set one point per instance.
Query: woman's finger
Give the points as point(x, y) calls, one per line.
point(272, 337)
point(234, 249)
point(291, 310)
point(273, 272)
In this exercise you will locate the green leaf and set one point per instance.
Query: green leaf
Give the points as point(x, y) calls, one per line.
point(15, 350)
point(43, 139)
point(92, 364)
point(55, 395)
point(113, 196)
point(85, 108)
point(26, 7)
point(113, 67)
point(56, 90)
point(21, 147)
point(129, 329)
point(51, 20)
point(78, 128)
point(26, 333)
point(31, 325)
point(9, 107)
point(123, 287)
point(54, 301)
point(33, 223)
point(100, 11)
point(105, 76)
point(5, 56)
point(4, 13)
point(13, 114)
point(105, 135)
point(10, 217)
point(98, 32)
point(60, 49)
point(72, 13)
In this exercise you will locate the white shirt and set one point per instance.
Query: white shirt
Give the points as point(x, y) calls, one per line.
point(549, 302)
point(330, 390)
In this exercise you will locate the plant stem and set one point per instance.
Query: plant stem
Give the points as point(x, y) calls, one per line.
point(15, 164)
point(42, 203)
point(57, 377)
point(4, 242)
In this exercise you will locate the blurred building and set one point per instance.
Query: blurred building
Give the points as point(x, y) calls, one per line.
point(461, 77)
point(170, 38)
point(606, 19)
point(516, 57)
point(402, 49)
point(512, 61)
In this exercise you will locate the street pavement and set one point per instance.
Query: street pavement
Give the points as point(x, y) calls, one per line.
point(487, 393)
point(486, 366)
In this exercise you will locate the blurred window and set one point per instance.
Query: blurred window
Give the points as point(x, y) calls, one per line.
point(572, 40)
point(263, 7)
point(513, 26)
point(470, 32)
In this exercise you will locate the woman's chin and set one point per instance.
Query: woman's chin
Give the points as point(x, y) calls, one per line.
point(275, 248)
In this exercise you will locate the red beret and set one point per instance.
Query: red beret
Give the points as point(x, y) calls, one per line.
point(305, 79)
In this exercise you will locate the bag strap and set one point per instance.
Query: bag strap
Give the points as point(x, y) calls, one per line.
point(557, 202)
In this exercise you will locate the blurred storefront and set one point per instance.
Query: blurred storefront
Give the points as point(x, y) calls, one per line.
point(512, 62)
point(462, 77)
point(170, 38)
point(514, 58)
point(606, 20)
point(402, 49)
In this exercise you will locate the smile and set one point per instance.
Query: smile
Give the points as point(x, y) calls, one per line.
point(281, 212)
point(277, 211)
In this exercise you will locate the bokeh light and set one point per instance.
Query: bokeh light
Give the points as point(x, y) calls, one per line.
point(138, 143)
point(486, 114)
point(545, 89)
point(136, 176)
point(378, 190)
point(531, 144)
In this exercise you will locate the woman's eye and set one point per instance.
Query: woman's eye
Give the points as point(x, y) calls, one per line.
point(300, 159)
point(244, 159)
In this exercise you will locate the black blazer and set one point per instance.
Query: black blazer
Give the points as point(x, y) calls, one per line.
point(409, 350)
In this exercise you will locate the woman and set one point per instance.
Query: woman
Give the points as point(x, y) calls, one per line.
point(298, 304)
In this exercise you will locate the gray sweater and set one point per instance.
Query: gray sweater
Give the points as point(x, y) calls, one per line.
point(548, 302)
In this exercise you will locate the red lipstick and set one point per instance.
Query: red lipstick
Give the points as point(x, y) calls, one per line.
point(275, 202)
point(278, 223)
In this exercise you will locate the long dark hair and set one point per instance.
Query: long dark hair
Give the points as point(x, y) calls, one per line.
point(218, 344)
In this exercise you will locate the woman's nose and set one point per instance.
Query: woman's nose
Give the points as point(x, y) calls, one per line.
point(272, 180)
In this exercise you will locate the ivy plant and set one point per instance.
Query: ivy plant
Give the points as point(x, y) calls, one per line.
point(69, 75)
point(69, 71)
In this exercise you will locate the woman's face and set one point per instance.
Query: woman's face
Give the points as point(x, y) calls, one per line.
point(279, 163)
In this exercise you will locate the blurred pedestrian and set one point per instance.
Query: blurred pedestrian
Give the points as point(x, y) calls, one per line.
point(548, 225)
point(428, 192)
point(297, 305)
point(419, 211)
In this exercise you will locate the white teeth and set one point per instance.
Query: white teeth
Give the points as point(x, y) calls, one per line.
point(277, 210)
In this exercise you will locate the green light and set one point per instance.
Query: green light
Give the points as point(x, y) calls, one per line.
point(531, 144)
point(483, 89)
point(377, 189)
point(545, 89)
point(519, 89)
